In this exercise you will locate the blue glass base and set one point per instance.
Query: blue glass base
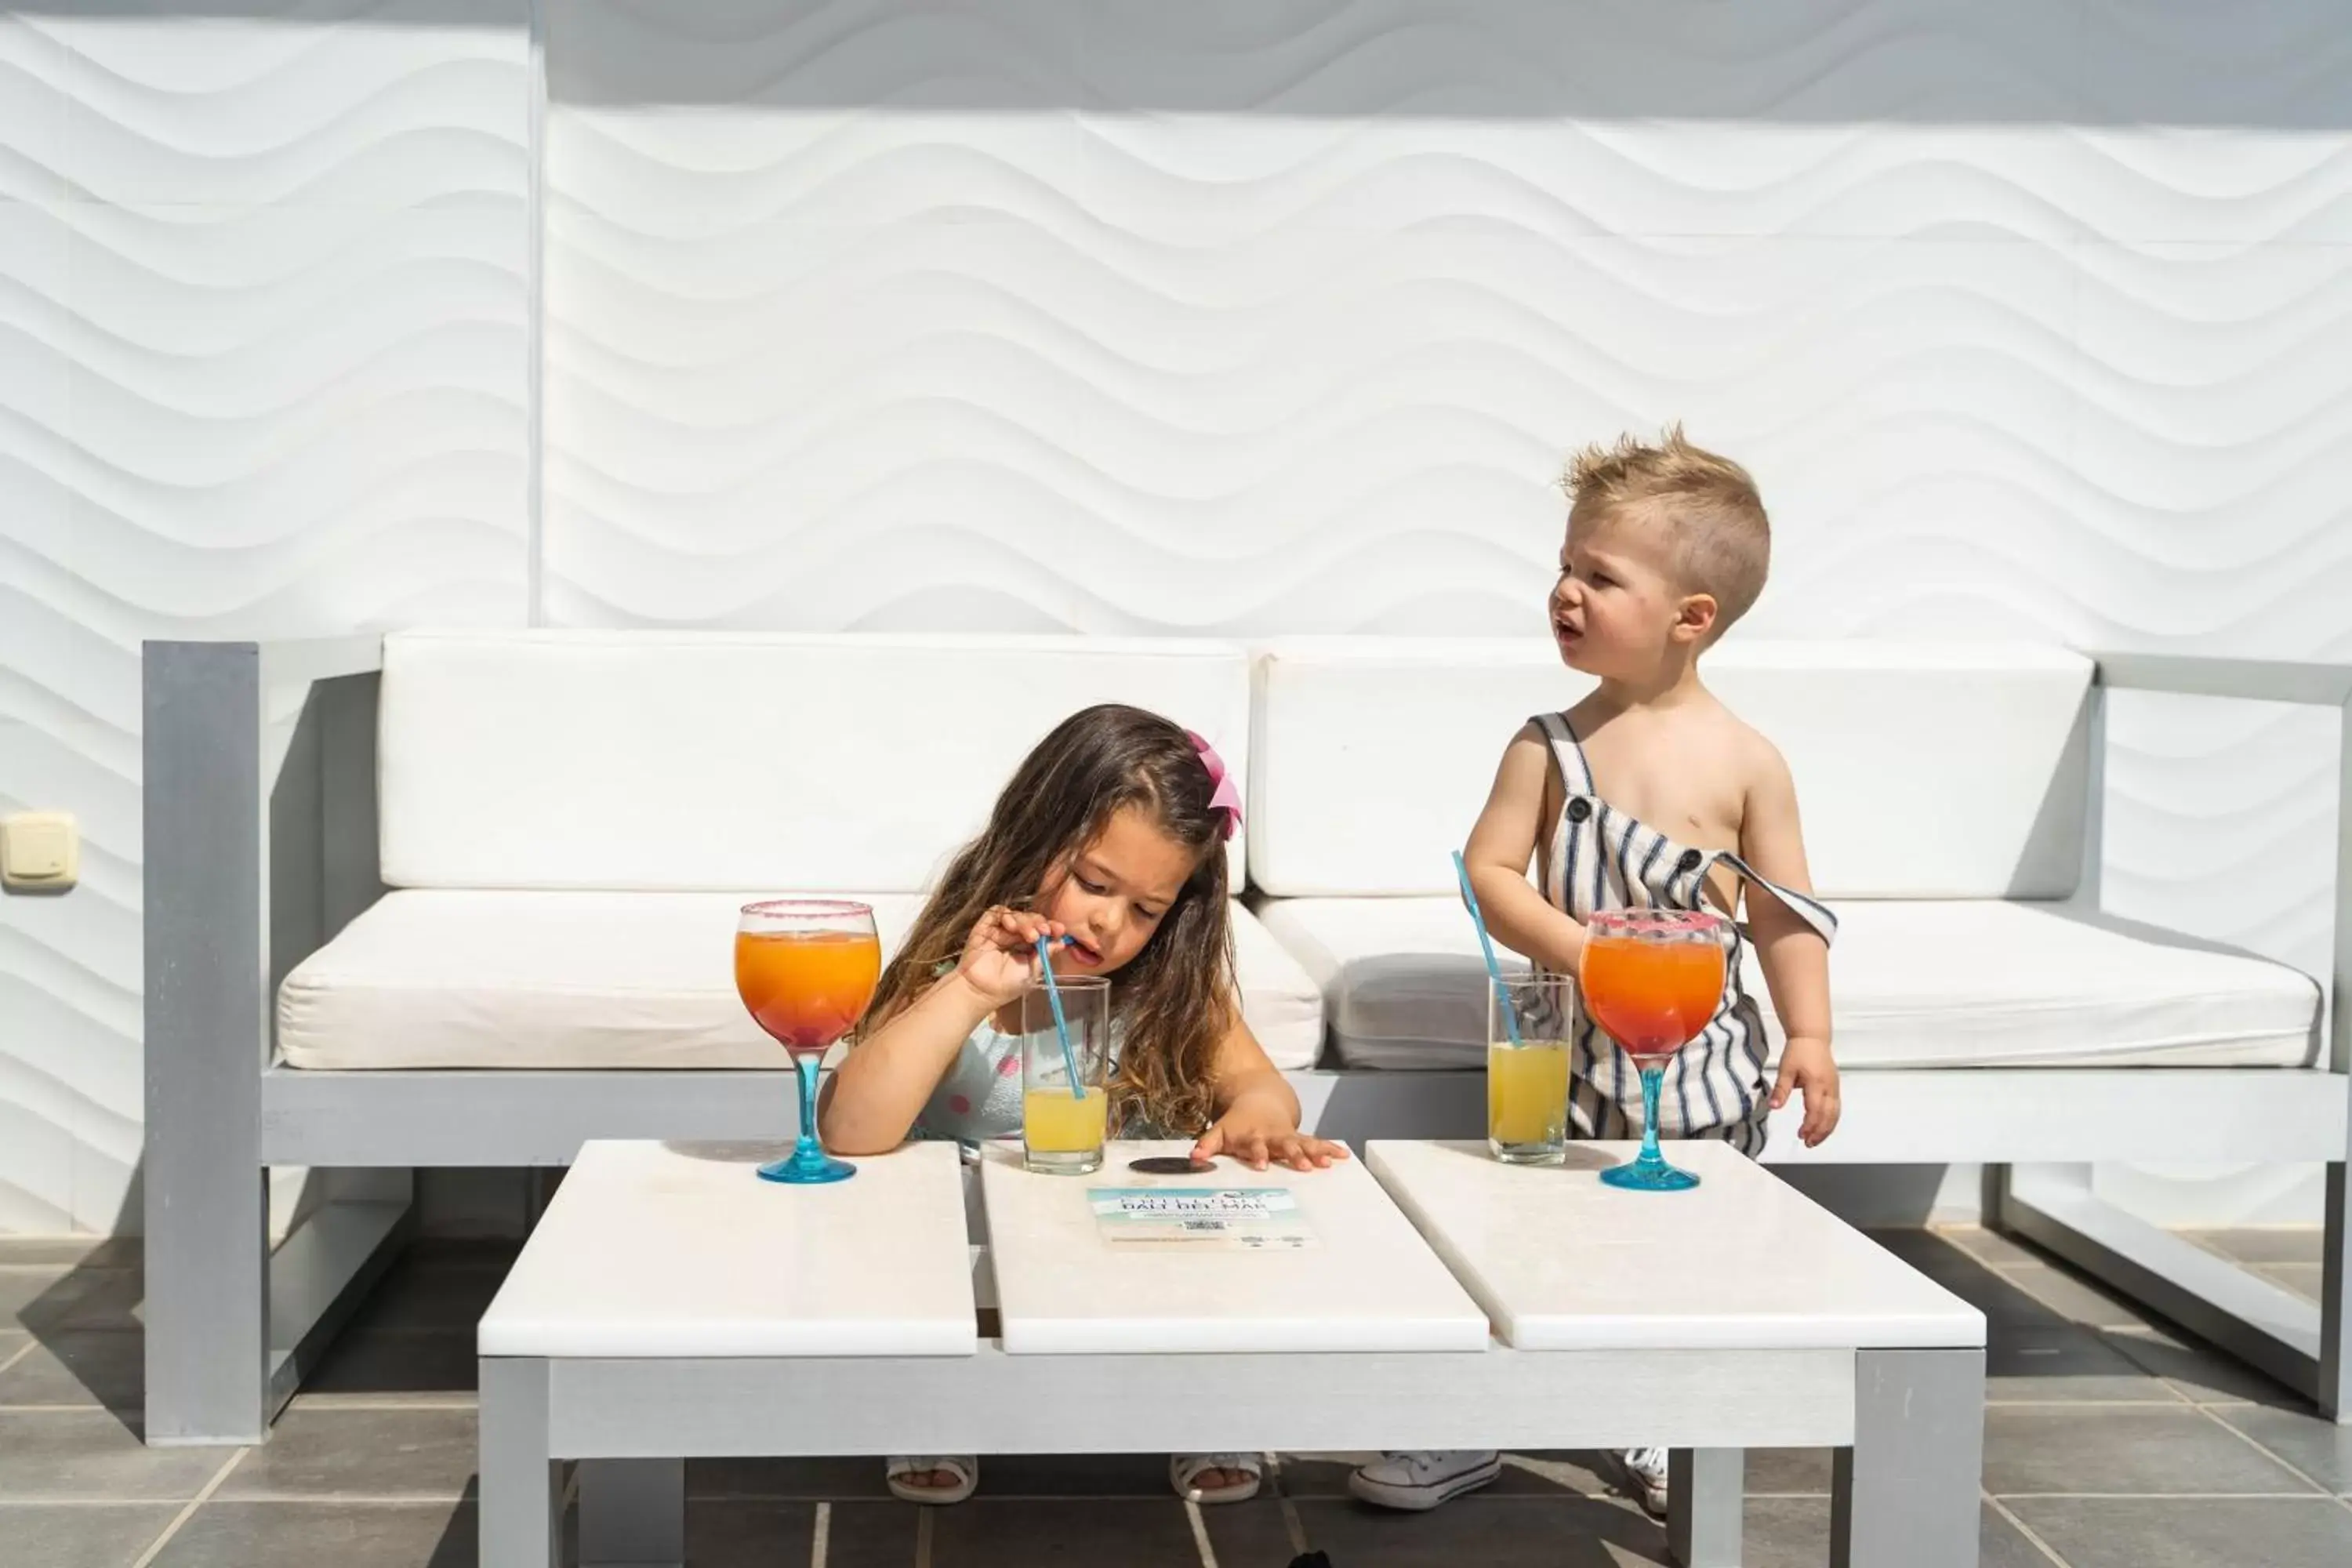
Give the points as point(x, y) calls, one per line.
point(808, 1165)
point(807, 1168)
point(1649, 1176)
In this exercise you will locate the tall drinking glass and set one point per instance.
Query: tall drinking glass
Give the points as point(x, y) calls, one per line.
point(1527, 1078)
point(1652, 979)
point(1064, 1121)
point(806, 968)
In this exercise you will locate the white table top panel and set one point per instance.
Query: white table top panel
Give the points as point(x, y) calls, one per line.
point(1561, 1261)
point(679, 1249)
point(1368, 1283)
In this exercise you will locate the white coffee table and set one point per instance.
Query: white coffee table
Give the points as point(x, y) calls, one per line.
point(1708, 1289)
point(1365, 1283)
point(661, 1269)
point(670, 1305)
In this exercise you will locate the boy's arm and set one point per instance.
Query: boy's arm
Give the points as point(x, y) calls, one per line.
point(1796, 959)
point(1501, 848)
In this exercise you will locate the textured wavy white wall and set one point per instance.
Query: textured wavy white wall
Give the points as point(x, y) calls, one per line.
point(1278, 315)
point(2034, 317)
point(262, 314)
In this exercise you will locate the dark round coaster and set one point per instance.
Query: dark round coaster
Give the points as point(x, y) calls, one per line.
point(1170, 1166)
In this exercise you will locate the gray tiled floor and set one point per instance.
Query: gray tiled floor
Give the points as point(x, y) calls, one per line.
point(2111, 1442)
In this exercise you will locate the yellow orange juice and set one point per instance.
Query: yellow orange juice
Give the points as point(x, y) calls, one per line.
point(1526, 1101)
point(1055, 1122)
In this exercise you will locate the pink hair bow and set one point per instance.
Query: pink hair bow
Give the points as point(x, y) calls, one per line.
point(1224, 796)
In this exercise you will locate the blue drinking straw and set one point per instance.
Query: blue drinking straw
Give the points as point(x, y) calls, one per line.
point(1061, 1023)
point(1487, 946)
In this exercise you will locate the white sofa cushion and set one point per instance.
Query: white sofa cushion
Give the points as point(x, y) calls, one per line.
point(1925, 771)
point(676, 760)
point(470, 978)
point(1925, 983)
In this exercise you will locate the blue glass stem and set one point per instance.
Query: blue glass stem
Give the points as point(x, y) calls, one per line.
point(808, 1153)
point(1648, 1171)
point(808, 1164)
point(1651, 1078)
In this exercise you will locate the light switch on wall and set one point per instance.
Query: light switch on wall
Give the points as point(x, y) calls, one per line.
point(40, 851)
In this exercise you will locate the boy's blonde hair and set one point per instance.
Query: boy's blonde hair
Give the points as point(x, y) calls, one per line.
point(1707, 504)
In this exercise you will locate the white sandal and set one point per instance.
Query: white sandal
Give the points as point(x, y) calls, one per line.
point(962, 1466)
point(1185, 1470)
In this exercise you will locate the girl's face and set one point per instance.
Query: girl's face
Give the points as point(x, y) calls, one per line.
point(1114, 893)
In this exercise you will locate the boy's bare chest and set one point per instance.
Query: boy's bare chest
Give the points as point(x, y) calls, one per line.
point(1680, 789)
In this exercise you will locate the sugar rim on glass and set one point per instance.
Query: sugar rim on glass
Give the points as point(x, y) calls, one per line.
point(806, 909)
point(1604, 925)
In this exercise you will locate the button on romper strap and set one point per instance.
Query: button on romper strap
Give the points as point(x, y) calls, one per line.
point(1562, 859)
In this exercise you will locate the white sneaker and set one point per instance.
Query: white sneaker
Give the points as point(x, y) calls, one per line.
point(1645, 1477)
point(1420, 1480)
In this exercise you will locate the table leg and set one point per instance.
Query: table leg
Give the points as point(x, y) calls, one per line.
point(1704, 1488)
point(632, 1513)
point(1905, 1495)
point(521, 1506)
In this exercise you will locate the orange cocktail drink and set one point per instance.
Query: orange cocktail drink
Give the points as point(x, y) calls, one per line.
point(806, 969)
point(806, 988)
point(1652, 979)
point(1652, 997)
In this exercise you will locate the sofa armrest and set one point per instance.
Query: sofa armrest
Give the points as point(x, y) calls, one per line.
point(2270, 681)
point(2253, 680)
point(259, 822)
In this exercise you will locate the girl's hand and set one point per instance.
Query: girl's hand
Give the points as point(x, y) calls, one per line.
point(1257, 1136)
point(999, 957)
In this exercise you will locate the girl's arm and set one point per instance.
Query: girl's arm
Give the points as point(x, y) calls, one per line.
point(1258, 1115)
point(881, 1085)
point(1501, 848)
point(1796, 959)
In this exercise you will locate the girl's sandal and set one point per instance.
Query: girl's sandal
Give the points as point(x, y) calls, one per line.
point(1185, 1470)
point(899, 1471)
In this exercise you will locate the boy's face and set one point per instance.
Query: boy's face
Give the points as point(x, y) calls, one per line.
point(1618, 606)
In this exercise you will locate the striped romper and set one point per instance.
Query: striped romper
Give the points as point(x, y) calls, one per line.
point(1600, 859)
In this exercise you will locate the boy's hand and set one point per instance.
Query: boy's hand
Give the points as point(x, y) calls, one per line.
point(1806, 1066)
point(999, 957)
point(1256, 1136)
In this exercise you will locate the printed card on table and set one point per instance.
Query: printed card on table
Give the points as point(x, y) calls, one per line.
point(1213, 1220)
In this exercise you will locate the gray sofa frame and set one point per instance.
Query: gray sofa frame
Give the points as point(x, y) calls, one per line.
point(261, 845)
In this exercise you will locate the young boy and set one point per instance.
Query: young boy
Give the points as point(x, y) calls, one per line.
point(1649, 793)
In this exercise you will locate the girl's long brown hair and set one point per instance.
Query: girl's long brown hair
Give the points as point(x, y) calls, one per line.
point(1173, 1001)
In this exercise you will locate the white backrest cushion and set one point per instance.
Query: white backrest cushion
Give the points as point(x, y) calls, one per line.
point(1922, 769)
point(627, 760)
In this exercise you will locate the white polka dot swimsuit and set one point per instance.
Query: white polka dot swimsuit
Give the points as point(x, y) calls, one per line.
point(978, 1097)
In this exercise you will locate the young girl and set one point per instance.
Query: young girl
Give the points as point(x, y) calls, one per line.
point(1111, 835)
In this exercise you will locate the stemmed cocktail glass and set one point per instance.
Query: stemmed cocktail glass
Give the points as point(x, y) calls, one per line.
point(1652, 979)
point(806, 968)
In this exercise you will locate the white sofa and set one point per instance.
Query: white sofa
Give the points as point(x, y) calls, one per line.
point(464, 899)
point(570, 822)
point(1944, 792)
